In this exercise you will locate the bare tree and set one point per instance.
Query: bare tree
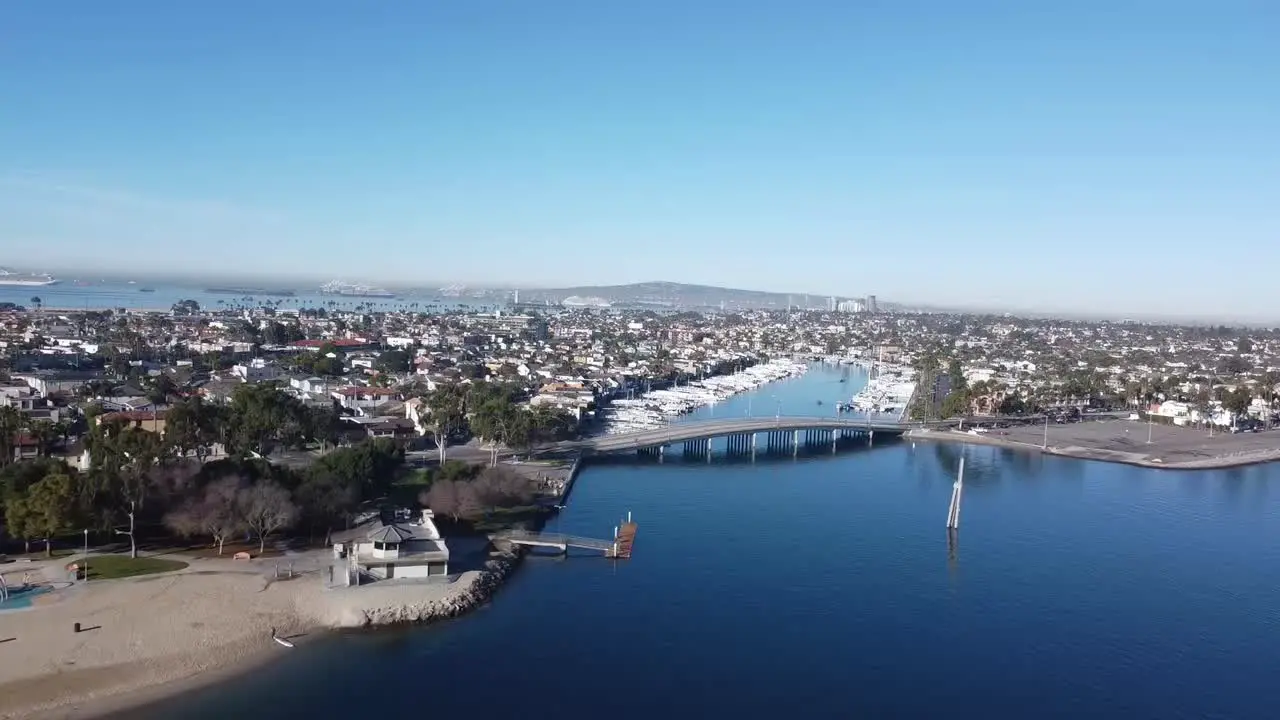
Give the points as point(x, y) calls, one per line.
point(215, 513)
point(470, 504)
point(501, 487)
point(133, 543)
point(265, 508)
point(442, 498)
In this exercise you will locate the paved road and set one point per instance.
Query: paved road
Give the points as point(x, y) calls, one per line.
point(680, 432)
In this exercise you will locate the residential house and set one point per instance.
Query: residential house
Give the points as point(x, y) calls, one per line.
point(257, 370)
point(363, 400)
point(149, 420)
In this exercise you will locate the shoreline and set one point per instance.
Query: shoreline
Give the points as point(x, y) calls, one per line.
point(140, 655)
point(1079, 452)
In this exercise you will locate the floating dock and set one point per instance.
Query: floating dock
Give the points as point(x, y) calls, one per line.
point(624, 538)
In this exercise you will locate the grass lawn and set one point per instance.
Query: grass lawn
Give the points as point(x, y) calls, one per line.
point(230, 549)
point(37, 555)
point(108, 567)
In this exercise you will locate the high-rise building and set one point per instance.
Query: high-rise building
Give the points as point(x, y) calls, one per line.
point(832, 304)
point(871, 304)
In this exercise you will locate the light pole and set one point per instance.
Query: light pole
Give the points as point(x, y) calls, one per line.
point(1045, 446)
point(86, 554)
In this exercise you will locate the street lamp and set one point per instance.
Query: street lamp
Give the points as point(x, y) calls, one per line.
point(86, 554)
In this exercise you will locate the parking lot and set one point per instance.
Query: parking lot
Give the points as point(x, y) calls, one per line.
point(1127, 441)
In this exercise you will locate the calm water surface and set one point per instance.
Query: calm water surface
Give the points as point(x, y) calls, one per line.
point(824, 587)
point(95, 295)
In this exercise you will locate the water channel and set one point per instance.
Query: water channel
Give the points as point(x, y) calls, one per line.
point(824, 586)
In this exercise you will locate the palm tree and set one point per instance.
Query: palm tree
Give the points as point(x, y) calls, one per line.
point(37, 302)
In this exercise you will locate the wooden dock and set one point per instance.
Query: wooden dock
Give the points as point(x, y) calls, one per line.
point(624, 538)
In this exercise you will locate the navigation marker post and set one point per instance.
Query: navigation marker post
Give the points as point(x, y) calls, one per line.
point(957, 490)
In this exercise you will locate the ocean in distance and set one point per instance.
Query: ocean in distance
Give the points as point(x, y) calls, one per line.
point(94, 295)
point(824, 587)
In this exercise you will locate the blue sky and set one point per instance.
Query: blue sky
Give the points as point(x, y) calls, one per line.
point(1094, 156)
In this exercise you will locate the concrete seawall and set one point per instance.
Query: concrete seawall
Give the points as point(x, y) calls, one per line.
point(413, 602)
point(570, 480)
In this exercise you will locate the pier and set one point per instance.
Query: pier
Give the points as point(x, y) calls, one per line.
point(624, 537)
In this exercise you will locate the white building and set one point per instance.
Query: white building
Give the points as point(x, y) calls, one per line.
point(258, 370)
point(406, 548)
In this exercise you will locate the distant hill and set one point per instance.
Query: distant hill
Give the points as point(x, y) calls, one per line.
point(659, 295)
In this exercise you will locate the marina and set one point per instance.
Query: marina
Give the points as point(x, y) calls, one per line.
point(657, 408)
point(888, 391)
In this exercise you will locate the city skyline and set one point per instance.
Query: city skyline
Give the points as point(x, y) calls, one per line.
point(1067, 161)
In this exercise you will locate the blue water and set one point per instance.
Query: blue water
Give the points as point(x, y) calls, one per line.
point(824, 587)
point(20, 598)
point(95, 295)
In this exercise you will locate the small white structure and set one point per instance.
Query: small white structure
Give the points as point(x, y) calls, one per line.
point(406, 548)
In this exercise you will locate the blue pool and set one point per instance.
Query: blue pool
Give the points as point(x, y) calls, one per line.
point(21, 597)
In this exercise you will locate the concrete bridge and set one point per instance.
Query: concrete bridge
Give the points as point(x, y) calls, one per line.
point(744, 435)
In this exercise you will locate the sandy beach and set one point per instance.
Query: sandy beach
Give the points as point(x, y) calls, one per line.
point(149, 637)
point(143, 632)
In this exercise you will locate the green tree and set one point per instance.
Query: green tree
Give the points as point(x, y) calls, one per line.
point(47, 509)
point(193, 425)
point(395, 361)
point(19, 522)
point(1237, 401)
point(12, 424)
point(45, 434)
point(956, 373)
point(162, 386)
point(445, 415)
point(955, 404)
point(261, 415)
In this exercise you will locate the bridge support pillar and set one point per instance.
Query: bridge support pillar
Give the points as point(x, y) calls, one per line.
point(835, 435)
point(753, 447)
point(871, 437)
point(795, 443)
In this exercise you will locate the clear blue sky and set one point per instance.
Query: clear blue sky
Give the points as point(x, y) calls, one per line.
point(1089, 155)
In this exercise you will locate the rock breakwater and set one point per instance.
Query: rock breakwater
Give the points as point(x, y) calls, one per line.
point(410, 602)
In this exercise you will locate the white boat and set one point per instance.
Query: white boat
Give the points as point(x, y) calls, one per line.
point(8, 277)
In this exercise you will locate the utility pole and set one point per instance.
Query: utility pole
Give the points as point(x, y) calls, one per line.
point(1045, 446)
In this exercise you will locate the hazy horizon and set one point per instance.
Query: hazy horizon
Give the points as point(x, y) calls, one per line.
point(303, 283)
point(1072, 159)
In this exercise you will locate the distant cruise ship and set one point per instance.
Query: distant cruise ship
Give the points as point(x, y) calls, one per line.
point(338, 287)
point(8, 277)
